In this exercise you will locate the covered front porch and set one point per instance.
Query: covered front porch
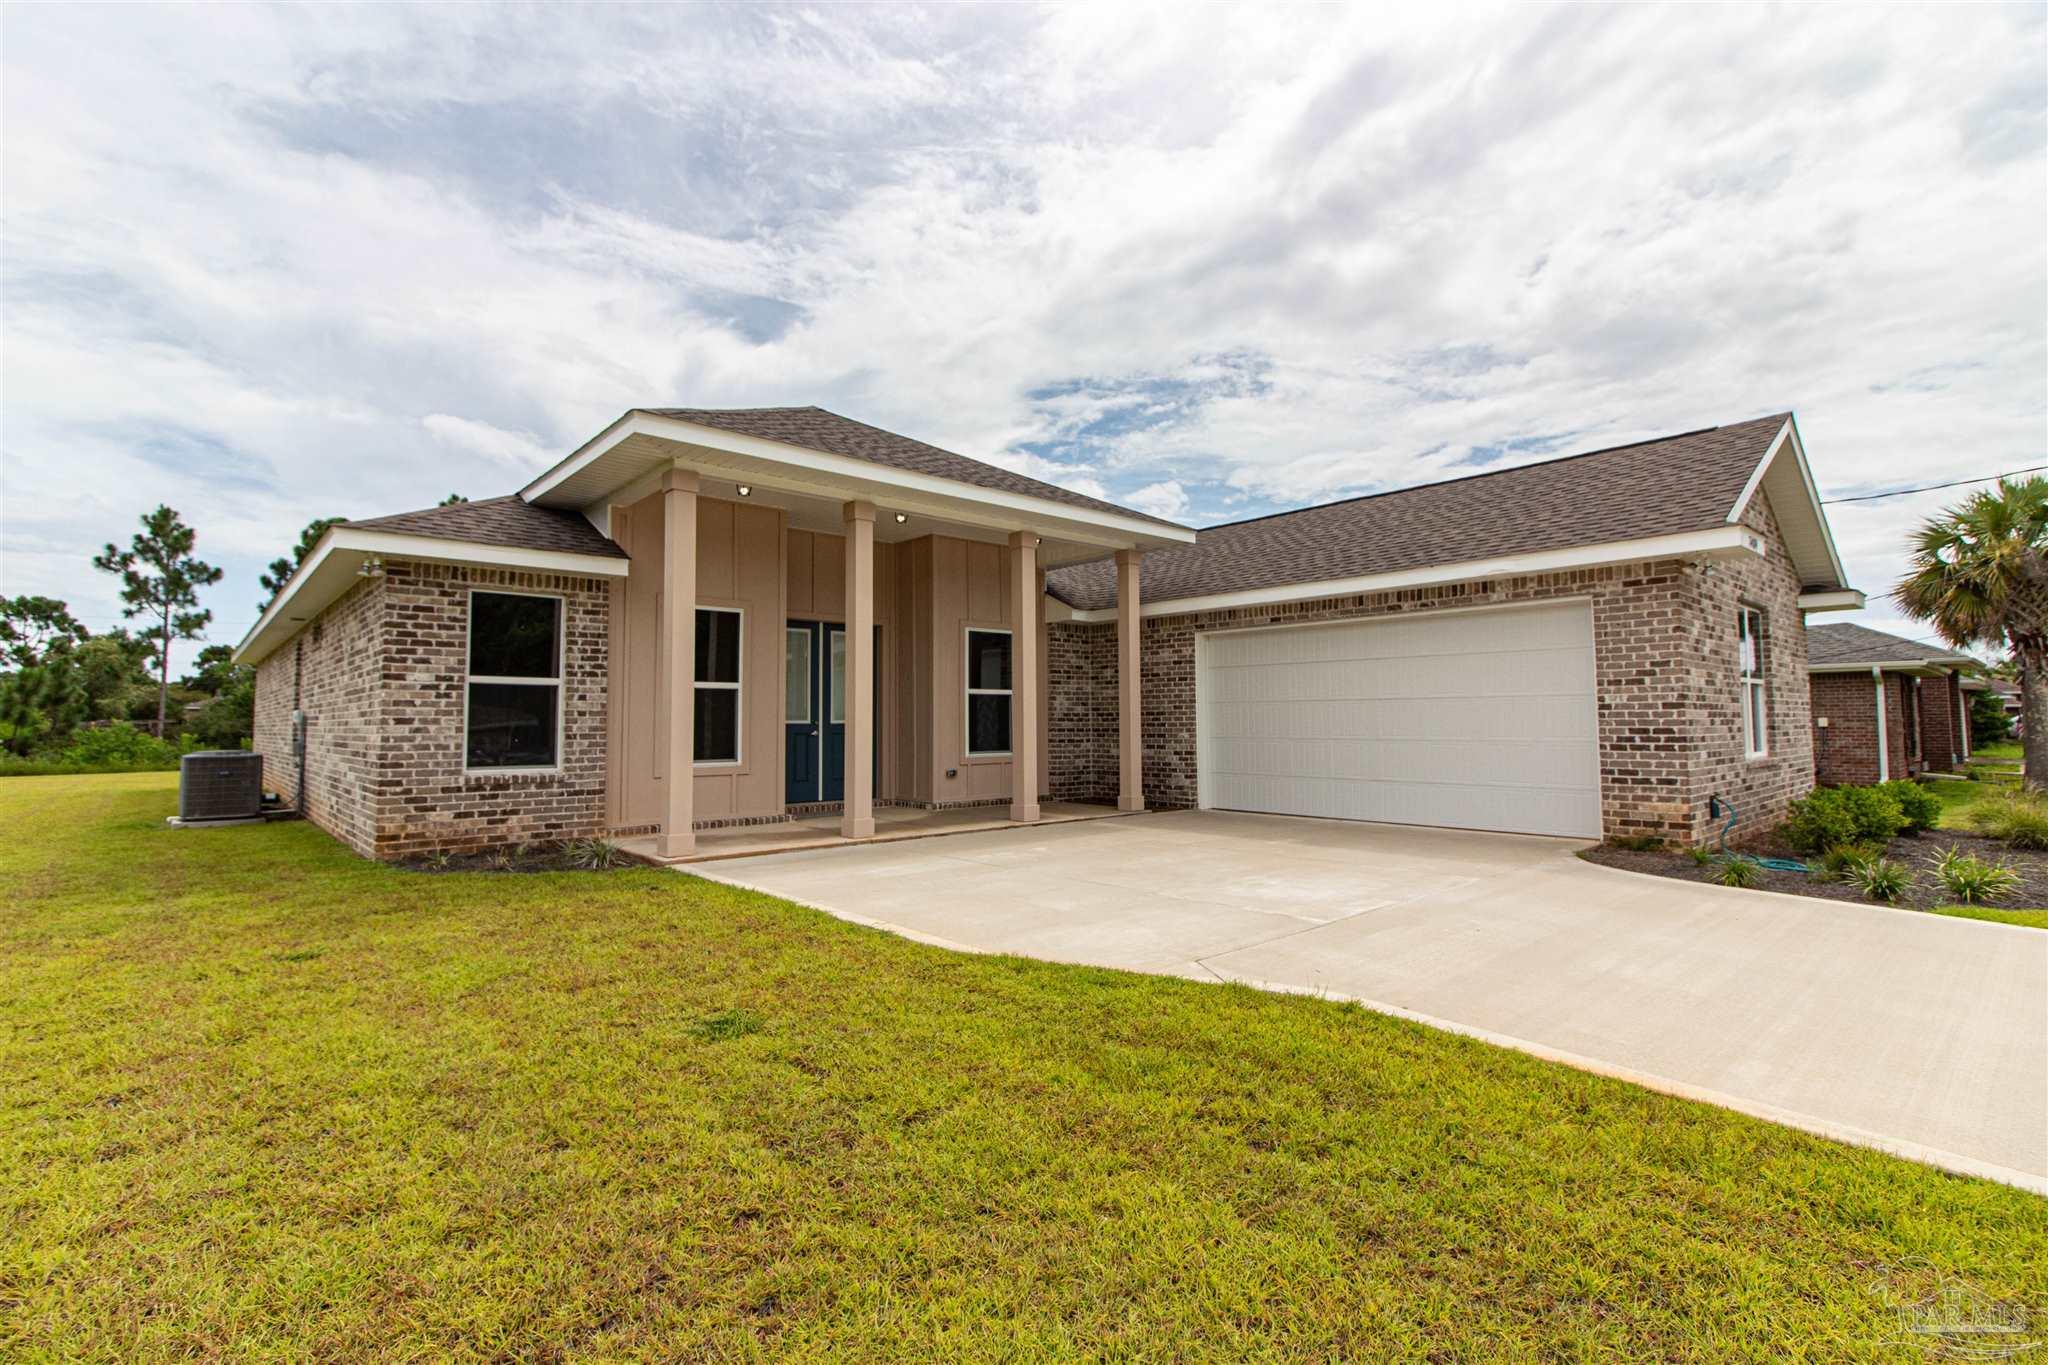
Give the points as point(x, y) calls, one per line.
point(892, 823)
point(859, 646)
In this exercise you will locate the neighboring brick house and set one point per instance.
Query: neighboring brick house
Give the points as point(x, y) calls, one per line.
point(1884, 706)
point(806, 613)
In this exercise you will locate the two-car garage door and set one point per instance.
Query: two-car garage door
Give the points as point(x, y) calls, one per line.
point(1479, 720)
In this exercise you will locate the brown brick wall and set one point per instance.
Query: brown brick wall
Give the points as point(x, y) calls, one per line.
point(1845, 753)
point(1941, 746)
point(329, 671)
point(380, 675)
point(1081, 724)
point(1670, 698)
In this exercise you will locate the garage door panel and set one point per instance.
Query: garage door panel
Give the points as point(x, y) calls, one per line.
point(1500, 720)
point(1556, 671)
point(1480, 720)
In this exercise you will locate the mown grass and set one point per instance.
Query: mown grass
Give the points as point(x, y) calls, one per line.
point(264, 1098)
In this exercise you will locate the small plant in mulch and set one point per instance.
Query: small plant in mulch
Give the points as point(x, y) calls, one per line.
point(1738, 871)
point(592, 855)
point(2018, 818)
point(1881, 879)
point(1971, 880)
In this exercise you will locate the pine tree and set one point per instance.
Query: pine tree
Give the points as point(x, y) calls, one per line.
point(160, 581)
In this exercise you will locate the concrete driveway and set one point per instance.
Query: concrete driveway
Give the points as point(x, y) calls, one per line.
point(1921, 1034)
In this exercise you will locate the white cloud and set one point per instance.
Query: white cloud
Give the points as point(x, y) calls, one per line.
point(319, 262)
point(1165, 499)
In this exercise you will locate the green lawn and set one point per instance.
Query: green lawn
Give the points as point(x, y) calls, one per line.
point(263, 1098)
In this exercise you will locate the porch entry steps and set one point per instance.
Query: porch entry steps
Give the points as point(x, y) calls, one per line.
point(892, 823)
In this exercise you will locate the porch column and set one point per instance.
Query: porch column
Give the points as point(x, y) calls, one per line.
point(1130, 715)
point(1024, 679)
point(857, 812)
point(675, 689)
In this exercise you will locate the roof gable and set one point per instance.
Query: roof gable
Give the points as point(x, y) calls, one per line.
point(1696, 481)
point(1846, 644)
point(507, 521)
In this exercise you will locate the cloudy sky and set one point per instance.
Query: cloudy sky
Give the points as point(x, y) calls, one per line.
point(267, 265)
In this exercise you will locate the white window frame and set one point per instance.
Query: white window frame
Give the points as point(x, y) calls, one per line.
point(739, 702)
point(561, 672)
point(969, 692)
point(1756, 698)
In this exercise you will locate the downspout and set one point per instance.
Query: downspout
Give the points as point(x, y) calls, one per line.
point(1884, 744)
point(1962, 716)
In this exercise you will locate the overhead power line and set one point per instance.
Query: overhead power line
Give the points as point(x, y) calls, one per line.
point(1929, 488)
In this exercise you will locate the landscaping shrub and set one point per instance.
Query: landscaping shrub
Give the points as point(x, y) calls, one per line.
point(2018, 818)
point(116, 748)
point(1876, 812)
point(1971, 880)
point(1921, 807)
point(592, 855)
point(1700, 854)
point(1881, 879)
point(1820, 821)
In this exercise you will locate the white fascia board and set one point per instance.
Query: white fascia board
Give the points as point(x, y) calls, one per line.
point(819, 464)
point(341, 543)
point(1788, 438)
point(1839, 599)
point(1926, 668)
point(1720, 542)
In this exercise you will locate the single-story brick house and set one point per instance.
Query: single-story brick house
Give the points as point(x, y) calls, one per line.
point(1884, 706)
point(805, 613)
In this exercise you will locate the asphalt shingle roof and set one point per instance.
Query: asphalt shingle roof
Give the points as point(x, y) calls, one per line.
point(1673, 484)
point(1845, 642)
point(508, 520)
point(817, 429)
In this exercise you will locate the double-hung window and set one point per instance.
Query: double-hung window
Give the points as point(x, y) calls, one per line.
point(717, 701)
point(988, 692)
point(514, 684)
point(1755, 715)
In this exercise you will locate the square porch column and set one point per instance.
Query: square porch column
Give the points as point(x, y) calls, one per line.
point(1024, 679)
point(675, 687)
point(1130, 715)
point(857, 812)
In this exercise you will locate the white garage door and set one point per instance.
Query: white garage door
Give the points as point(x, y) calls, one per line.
point(1478, 720)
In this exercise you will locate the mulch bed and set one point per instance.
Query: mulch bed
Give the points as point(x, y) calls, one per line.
point(540, 858)
point(1918, 852)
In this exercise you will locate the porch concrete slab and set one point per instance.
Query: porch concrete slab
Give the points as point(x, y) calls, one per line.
point(892, 824)
point(1921, 1034)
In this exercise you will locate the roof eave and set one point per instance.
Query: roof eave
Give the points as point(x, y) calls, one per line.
point(338, 556)
point(1788, 439)
point(808, 467)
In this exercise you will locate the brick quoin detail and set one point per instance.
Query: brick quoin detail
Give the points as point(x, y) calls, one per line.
point(1669, 688)
point(381, 674)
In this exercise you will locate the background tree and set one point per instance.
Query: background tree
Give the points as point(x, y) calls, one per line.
point(451, 500)
point(160, 580)
point(280, 571)
point(30, 627)
point(1979, 577)
point(41, 703)
point(114, 670)
point(214, 669)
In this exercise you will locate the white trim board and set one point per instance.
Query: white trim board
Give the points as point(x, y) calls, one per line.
point(1721, 542)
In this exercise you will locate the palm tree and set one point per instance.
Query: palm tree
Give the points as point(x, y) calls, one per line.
point(1980, 578)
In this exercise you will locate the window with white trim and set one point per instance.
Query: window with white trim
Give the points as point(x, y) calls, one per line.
point(716, 708)
point(988, 692)
point(513, 697)
point(1756, 729)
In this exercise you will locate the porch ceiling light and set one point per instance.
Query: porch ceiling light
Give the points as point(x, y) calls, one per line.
point(901, 518)
point(746, 490)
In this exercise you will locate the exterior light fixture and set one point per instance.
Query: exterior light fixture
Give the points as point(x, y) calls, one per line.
point(901, 518)
point(372, 568)
point(746, 490)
